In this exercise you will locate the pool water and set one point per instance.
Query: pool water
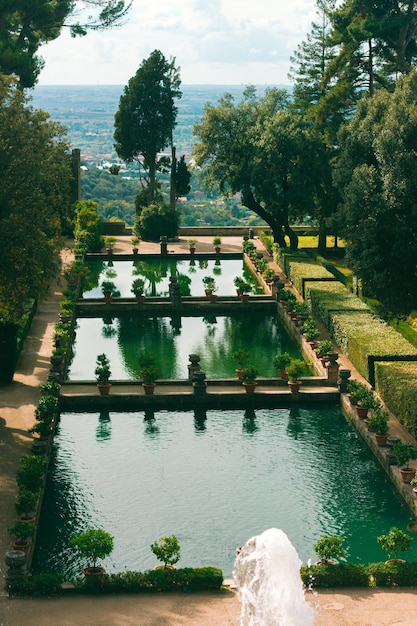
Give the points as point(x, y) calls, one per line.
point(171, 340)
point(156, 273)
point(213, 483)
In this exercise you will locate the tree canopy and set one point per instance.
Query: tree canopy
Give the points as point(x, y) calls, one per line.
point(266, 152)
point(377, 176)
point(25, 26)
point(146, 117)
point(35, 198)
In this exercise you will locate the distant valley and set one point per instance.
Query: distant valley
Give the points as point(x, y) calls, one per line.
point(88, 112)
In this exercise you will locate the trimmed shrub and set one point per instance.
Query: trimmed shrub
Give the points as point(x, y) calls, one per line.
point(331, 576)
point(157, 220)
point(392, 574)
point(397, 384)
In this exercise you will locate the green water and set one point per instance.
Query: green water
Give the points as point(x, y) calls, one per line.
point(156, 273)
point(213, 483)
point(171, 341)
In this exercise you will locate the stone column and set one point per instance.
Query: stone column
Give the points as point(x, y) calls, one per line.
point(200, 385)
point(164, 245)
point(343, 380)
point(332, 368)
point(194, 365)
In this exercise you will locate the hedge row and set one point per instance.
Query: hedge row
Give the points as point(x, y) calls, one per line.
point(327, 298)
point(303, 272)
point(186, 579)
point(397, 384)
point(211, 579)
point(367, 340)
point(356, 575)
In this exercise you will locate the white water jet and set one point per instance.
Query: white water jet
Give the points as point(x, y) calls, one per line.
point(267, 575)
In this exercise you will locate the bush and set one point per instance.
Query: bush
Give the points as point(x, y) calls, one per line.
point(392, 574)
point(88, 226)
point(38, 585)
point(340, 575)
point(159, 580)
point(157, 220)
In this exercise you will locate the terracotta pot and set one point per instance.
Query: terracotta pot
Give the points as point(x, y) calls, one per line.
point(148, 388)
point(249, 387)
point(239, 374)
point(294, 386)
point(407, 474)
point(244, 297)
point(104, 388)
point(381, 439)
point(140, 298)
point(92, 572)
point(283, 374)
point(212, 297)
point(21, 545)
point(362, 411)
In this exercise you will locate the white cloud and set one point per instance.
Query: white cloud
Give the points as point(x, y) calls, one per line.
point(215, 41)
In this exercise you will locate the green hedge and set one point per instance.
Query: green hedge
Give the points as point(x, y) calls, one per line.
point(152, 581)
point(340, 575)
point(357, 575)
point(303, 272)
point(365, 339)
point(397, 384)
point(284, 257)
point(326, 298)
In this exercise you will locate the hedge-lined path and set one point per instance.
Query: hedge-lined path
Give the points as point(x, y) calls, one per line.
point(17, 404)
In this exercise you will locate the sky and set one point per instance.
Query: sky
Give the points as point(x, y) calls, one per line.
point(213, 42)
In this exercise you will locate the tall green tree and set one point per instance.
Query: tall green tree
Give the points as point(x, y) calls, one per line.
point(26, 25)
point(265, 152)
point(35, 198)
point(377, 176)
point(146, 117)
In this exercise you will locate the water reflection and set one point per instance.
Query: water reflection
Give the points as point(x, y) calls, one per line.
point(151, 427)
point(200, 417)
point(295, 424)
point(103, 430)
point(249, 422)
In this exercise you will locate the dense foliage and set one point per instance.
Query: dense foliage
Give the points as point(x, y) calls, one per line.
point(26, 26)
point(35, 199)
point(146, 116)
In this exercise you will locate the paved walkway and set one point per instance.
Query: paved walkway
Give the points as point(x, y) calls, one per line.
point(17, 403)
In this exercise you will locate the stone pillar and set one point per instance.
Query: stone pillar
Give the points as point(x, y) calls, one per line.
point(175, 293)
point(164, 245)
point(332, 368)
point(343, 380)
point(194, 365)
point(200, 385)
point(277, 285)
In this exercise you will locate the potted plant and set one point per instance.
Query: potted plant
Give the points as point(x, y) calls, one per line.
point(22, 531)
point(93, 544)
point(30, 474)
point(149, 376)
point(329, 548)
point(245, 291)
point(395, 541)
point(25, 504)
point(167, 550)
point(191, 245)
point(323, 347)
point(365, 400)
point(135, 244)
point(302, 311)
point(217, 243)
point(379, 424)
point(138, 288)
point(109, 243)
point(209, 283)
point(268, 274)
point(109, 290)
point(241, 358)
point(281, 362)
point(310, 331)
point(103, 373)
point(249, 375)
point(404, 451)
point(238, 281)
point(294, 371)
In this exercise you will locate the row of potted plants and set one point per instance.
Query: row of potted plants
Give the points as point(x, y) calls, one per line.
point(290, 369)
point(147, 363)
point(259, 262)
